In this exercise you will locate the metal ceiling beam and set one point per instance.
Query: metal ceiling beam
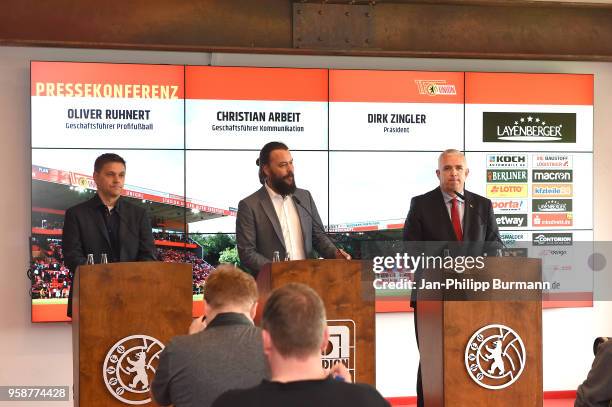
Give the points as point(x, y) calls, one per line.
point(426, 28)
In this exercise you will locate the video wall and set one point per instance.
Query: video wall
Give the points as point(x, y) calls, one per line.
point(364, 143)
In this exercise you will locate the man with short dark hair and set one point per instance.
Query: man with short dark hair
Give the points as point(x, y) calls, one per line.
point(294, 335)
point(106, 223)
point(280, 217)
point(224, 353)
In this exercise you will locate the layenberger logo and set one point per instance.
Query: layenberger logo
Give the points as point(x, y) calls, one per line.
point(528, 127)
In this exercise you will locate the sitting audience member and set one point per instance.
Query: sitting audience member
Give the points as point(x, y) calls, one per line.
point(596, 391)
point(224, 351)
point(294, 334)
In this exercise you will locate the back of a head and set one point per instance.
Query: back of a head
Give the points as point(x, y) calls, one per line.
point(294, 316)
point(228, 286)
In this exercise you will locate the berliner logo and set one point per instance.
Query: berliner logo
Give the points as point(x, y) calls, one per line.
point(495, 356)
point(129, 367)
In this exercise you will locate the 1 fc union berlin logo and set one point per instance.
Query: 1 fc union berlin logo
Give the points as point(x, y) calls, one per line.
point(495, 356)
point(130, 366)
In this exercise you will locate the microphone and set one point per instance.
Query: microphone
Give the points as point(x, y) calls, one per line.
point(316, 222)
point(499, 239)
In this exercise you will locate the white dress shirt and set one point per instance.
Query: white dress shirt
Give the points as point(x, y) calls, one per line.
point(290, 224)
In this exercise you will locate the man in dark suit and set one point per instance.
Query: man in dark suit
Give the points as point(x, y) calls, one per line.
point(106, 223)
point(456, 218)
point(280, 217)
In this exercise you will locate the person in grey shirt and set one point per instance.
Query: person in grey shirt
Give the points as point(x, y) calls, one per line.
point(224, 350)
point(596, 391)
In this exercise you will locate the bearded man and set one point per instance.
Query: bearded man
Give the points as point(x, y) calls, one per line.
point(280, 217)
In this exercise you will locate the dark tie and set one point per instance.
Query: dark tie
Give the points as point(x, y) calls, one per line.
point(456, 220)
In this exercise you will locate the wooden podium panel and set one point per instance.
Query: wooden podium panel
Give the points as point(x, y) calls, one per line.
point(446, 327)
point(347, 290)
point(115, 301)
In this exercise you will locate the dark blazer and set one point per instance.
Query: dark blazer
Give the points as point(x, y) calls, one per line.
point(259, 233)
point(85, 232)
point(428, 221)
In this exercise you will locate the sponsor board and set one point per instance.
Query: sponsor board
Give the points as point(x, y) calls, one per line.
point(507, 176)
point(507, 161)
point(551, 205)
point(552, 239)
point(528, 127)
point(507, 190)
point(539, 220)
point(552, 161)
point(552, 190)
point(511, 220)
point(509, 205)
point(552, 176)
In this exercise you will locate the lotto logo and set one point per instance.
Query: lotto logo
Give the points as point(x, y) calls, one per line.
point(507, 190)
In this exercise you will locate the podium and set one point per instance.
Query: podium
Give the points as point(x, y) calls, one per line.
point(461, 362)
point(346, 287)
point(123, 315)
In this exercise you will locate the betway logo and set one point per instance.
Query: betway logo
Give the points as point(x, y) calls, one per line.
point(511, 220)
